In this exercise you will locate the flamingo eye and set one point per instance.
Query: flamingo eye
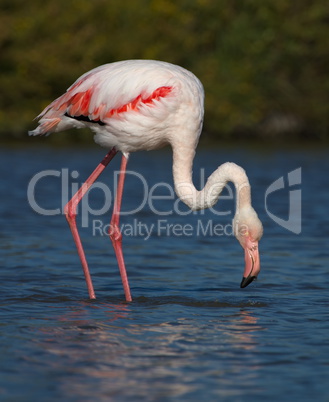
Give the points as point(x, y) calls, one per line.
point(243, 230)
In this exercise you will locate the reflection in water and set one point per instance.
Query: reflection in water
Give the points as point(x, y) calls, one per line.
point(124, 357)
point(80, 316)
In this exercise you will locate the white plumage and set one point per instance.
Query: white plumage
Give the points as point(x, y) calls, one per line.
point(115, 85)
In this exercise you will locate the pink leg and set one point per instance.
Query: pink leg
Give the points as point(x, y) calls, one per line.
point(70, 211)
point(115, 233)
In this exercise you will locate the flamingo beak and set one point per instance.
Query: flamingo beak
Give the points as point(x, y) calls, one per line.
point(252, 262)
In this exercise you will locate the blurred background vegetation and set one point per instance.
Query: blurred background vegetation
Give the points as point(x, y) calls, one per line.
point(263, 63)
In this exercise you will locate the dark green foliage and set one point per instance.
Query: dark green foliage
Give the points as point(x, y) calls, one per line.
point(264, 64)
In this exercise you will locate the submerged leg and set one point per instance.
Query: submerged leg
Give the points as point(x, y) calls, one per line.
point(115, 233)
point(70, 211)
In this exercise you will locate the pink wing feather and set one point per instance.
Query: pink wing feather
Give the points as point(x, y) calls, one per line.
point(84, 99)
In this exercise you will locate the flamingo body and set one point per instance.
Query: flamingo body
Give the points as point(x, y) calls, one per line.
point(142, 105)
point(131, 105)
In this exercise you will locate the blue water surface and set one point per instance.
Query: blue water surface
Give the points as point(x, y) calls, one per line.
point(190, 333)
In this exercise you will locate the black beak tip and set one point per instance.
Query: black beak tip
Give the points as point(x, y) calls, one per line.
point(247, 281)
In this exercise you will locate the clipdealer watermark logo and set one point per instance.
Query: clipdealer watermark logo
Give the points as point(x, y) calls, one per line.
point(293, 184)
point(287, 186)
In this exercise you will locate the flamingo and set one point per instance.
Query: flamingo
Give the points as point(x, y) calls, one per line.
point(137, 105)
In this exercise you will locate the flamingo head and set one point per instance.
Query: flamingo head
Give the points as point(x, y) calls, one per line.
point(249, 230)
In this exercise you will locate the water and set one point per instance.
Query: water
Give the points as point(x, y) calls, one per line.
point(190, 333)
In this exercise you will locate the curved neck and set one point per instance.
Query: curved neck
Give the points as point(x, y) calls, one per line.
point(208, 196)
